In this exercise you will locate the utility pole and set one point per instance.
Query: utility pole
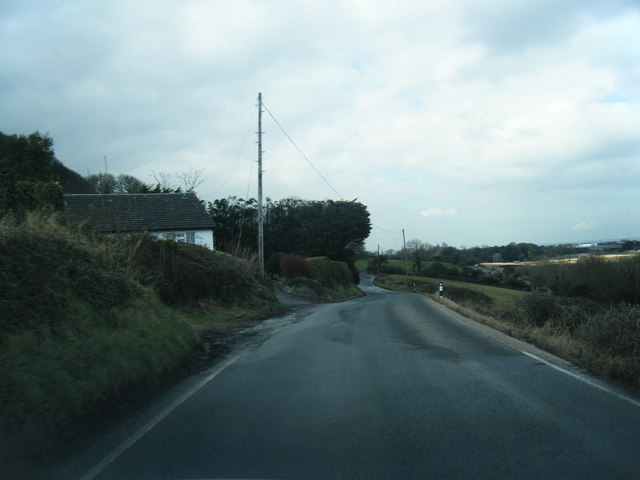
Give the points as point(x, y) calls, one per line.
point(406, 262)
point(260, 210)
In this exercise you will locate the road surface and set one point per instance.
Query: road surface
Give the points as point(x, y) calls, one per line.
point(387, 386)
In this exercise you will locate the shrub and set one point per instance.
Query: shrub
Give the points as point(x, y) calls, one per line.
point(535, 310)
point(391, 269)
point(330, 273)
point(41, 271)
point(294, 266)
point(272, 266)
point(615, 331)
point(593, 277)
point(186, 274)
point(469, 298)
point(375, 264)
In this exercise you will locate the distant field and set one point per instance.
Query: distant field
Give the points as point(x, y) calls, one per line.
point(567, 259)
point(502, 297)
point(362, 264)
point(408, 265)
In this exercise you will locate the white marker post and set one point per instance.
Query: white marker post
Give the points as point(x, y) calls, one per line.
point(441, 290)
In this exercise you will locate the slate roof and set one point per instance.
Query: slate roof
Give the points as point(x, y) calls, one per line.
point(133, 212)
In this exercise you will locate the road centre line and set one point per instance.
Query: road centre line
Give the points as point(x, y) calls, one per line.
point(124, 446)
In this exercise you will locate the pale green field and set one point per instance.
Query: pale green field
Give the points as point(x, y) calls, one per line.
point(502, 297)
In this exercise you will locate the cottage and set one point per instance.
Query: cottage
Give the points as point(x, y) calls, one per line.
point(176, 216)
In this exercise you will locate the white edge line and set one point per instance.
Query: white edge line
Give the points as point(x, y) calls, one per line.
point(124, 446)
point(582, 378)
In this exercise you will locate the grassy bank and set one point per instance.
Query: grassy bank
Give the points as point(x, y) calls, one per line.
point(604, 339)
point(53, 377)
point(88, 323)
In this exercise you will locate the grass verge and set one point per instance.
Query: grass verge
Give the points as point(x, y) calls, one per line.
point(54, 378)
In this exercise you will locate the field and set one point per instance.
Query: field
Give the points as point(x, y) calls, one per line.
point(565, 259)
point(502, 297)
point(407, 265)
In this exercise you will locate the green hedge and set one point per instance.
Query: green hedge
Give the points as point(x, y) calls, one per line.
point(330, 273)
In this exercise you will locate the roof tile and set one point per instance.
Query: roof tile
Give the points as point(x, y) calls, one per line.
point(138, 211)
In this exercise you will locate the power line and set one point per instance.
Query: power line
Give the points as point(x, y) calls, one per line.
point(385, 231)
point(235, 163)
point(301, 152)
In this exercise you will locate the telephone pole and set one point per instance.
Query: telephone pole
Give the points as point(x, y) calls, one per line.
point(406, 261)
point(260, 210)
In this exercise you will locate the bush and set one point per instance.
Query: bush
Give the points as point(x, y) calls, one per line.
point(272, 266)
point(185, 274)
point(330, 273)
point(43, 268)
point(535, 310)
point(391, 269)
point(469, 298)
point(615, 331)
point(560, 314)
point(294, 266)
point(604, 280)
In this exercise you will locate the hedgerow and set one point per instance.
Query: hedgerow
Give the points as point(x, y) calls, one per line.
point(86, 320)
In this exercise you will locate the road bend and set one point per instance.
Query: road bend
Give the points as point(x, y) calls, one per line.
point(387, 386)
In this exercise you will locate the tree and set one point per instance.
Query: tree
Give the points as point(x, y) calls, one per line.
point(376, 263)
point(105, 183)
point(336, 229)
point(235, 224)
point(190, 180)
point(102, 183)
point(129, 184)
point(186, 181)
point(415, 246)
point(26, 157)
point(26, 174)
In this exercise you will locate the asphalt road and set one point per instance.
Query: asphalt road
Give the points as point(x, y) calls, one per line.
point(387, 386)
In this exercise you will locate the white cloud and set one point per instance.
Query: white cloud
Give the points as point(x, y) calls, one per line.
point(522, 116)
point(438, 212)
point(584, 226)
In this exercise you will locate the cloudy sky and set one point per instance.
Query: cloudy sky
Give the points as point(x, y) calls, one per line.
point(467, 122)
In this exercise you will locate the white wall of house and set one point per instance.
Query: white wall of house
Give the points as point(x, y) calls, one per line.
point(197, 237)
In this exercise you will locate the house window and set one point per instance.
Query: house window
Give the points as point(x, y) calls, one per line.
point(182, 237)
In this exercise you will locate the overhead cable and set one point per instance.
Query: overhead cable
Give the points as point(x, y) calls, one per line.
point(301, 152)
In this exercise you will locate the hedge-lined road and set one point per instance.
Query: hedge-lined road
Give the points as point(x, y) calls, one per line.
point(385, 386)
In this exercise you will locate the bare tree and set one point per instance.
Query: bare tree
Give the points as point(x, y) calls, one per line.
point(191, 179)
point(163, 180)
point(186, 181)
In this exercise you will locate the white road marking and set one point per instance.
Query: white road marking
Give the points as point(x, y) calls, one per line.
point(124, 446)
point(584, 379)
point(511, 342)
